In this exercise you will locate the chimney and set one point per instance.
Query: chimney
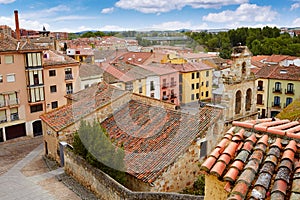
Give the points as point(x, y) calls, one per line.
point(17, 25)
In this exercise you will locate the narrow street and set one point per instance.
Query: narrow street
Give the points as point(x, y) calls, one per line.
point(24, 173)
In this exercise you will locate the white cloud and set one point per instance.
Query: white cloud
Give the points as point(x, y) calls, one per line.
point(45, 13)
point(296, 22)
point(107, 10)
point(112, 28)
point(176, 25)
point(160, 6)
point(72, 17)
point(6, 1)
point(244, 13)
point(295, 6)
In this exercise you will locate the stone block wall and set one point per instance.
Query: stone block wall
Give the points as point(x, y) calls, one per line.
point(107, 188)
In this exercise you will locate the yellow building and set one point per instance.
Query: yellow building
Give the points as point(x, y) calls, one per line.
point(277, 87)
point(195, 82)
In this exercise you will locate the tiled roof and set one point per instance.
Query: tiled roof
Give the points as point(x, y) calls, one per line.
point(153, 137)
point(279, 58)
point(133, 57)
point(291, 72)
point(8, 43)
point(88, 70)
point(265, 71)
point(190, 67)
point(91, 100)
point(259, 159)
point(57, 58)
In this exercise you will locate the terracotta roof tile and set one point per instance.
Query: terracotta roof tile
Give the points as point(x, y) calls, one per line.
point(267, 166)
point(153, 142)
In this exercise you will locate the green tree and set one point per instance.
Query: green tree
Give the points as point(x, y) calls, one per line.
point(92, 143)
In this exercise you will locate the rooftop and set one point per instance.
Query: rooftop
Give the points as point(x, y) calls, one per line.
point(153, 137)
point(258, 159)
point(88, 70)
point(8, 43)
point(87, 101)
point(52, 57)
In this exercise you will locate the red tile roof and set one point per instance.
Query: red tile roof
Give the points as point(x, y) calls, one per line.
point(8, 43)
point(133, 57)
point(266, 165)
point(87, 102)
point(153, 137)
point(190, 67)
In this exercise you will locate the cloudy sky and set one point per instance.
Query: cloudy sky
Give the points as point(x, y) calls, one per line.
point(118, 15)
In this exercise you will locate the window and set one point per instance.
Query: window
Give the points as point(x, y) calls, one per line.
point(197, 85)
point(10, 78)
point(52, 73)
point(140, 89)
point(206, 93)
point(238, 103)
point(276, 101)
point(152, 86)
point(289, 100)
point(152, 95)
point(33, 59)
point(193, 86)
point(86, 86)
point(173, 82)
point(260, 86)
point(260, 99)
point(277, 87)
point(69, 88)
point(207, 73)
point(36, 108)
point(53, 88)
point(54, 104)
point(202, 94)
point(36, 94)
point(193, 75)
point(290, 88)
point(164, 83)
point(192, 97)
point(1, 79)
point(197, 74)
point(207, 83)
point(248, 100)
point(197, 95)
point(9, 59)
point(68, 74)
point(14, 114)
point(202, 83)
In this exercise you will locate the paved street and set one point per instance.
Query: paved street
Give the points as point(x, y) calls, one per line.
point(25, 175)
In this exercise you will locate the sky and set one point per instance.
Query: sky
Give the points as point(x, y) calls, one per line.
point(143, 15)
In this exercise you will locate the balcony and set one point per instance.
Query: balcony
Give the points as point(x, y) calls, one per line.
point(260, 102)
point(276, 105)
point(14, 117)
point(173, 84)
point(165, 85)
point(290, 91)
point(277, 90)
point(70, 91)
point(260, 88)
point(173, 96)
point(68, 77)
point(165, 97)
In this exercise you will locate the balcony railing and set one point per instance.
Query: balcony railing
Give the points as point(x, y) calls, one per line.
point(70, 91)
point(14, 116)
point(173, 96)
point(165, 85)
point(68, 76)
point(277, 90)
point(173, 84)
point(260, 102)
point(276, 105)
point(289, 91)
point(260, 88)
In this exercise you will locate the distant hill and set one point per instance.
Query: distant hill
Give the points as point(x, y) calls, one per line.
point(291, 112)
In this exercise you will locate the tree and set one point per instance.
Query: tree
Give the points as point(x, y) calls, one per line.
point(92, 143)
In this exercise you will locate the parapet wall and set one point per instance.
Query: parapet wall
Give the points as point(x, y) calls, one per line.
point(107, 188)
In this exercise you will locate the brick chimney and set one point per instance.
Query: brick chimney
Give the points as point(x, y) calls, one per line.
point(17, 25)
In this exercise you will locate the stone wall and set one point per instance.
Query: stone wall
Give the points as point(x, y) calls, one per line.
point(107, 188)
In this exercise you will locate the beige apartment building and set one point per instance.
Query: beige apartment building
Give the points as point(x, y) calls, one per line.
point(29, 75)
